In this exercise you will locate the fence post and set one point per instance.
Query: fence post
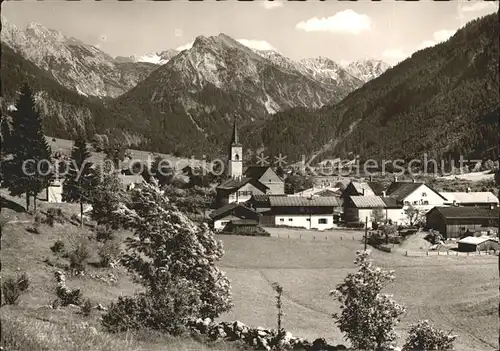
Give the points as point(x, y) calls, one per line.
point(406, 253)
point(300, 237)
point(341, 238)
point(427, 252)
point(314, 238)
point(447, 252)
point(457, 253)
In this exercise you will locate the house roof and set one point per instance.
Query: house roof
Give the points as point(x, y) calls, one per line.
point(377, 187)
point(467, 212)
point(363, 188)
point(263, 200)
point(476, 240)
point(255, 172)
point(235, 184)
point(374, 201)
point(471, 197)
point(224, 210)
point(244, 222)
point(297, 201)
point(401, 190)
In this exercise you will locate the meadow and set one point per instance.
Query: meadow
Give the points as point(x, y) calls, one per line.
point(459, 294)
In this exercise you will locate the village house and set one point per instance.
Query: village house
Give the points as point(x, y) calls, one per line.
point(471, 199)
point(360, 208)
point(455, 222)
point(52, 193)
point(413, 194)
point(319, 191)
point(242, 184)
point(293, 211)
point(232, 212)
point(355, 188)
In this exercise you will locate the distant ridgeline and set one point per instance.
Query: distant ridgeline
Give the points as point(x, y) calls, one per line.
point(442, 101)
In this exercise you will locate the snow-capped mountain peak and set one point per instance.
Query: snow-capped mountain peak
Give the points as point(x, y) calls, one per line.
point(158, 58)
point(367, 69)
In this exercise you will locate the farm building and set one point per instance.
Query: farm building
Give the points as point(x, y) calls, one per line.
point(480, 243)
point(319, 191)
point(358, 208)
point(471, 199)
point(418, 195)
point(363, 189)
point(454, 222)
point(232, 212)
point(52, 193)
point(295, 211)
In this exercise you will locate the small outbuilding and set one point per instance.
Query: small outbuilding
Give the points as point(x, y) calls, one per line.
point(233, 212)
point(481, 243)
point(454, 222)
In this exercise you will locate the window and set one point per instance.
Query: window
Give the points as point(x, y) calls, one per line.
point(308, 219)
point(290, 219)
point(415, 202)
point(424, 194)
point(426, 202)
point(282, 219)
point(236, 157)
point(322, 221)
point(407, 203)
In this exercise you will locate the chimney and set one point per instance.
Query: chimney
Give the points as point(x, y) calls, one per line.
point(413, 180)
point(468, 189)
point(363, 191)
point(395, 179)
point(384, 194)
point(370, 178)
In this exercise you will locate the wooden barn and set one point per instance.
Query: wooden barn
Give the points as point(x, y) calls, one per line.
point(454, 222)
point(481, 243)
point(233, 212)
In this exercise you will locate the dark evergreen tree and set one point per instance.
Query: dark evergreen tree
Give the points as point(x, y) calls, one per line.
point(30, 169)
point(6, 147)
point(79, 179)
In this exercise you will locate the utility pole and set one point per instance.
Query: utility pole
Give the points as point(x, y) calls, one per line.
point(366, 230)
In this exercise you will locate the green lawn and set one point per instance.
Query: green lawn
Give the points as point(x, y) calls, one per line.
point(457, 293)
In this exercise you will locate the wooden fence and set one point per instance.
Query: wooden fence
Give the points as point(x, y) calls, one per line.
point(450, 253)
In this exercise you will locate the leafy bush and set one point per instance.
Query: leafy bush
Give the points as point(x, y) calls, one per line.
point(10, 291)
point(368, 317)
point(53, 214)
point(79, 256)
point(167, 312)
point(355, 225)
point(13, 287)
point(67, 296)
point(109, 253)
point(424, 336)
point(58, 247)
point(86, 308)
point(104, 233)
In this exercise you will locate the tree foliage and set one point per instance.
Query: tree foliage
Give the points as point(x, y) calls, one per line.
point(414, 215)
point(168, 248)
point(368, 317)
point(30, 169)
point(295, 183)
point(423, 336)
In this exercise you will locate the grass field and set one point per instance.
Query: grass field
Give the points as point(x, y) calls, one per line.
point(457, 293)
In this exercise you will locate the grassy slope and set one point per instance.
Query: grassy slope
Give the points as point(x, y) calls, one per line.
point(459, 293)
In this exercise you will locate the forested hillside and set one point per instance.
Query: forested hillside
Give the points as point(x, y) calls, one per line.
point(444, 99)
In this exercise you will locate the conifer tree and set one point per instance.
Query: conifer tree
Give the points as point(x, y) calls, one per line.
point(80, 179)
point(29, 171)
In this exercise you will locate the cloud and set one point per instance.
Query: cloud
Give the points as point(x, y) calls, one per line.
point(347, 21)
point(256, 44)
point(250, 43)
point(394, 55)
point(438, 37)
point(269, 5)
point(478, 6)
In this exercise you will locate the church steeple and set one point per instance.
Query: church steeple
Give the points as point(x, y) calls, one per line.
point(235, 162)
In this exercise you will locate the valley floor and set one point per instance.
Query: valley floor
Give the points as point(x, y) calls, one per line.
point(459, 294)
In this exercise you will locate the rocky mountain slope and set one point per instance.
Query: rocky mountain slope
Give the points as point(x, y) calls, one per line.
point(157, 58)
point(436, 102)
point(192, 100)
point(75, 65)
point(367, 70)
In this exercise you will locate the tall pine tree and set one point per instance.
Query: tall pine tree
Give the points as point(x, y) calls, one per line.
point(79, 180)
point(30, 170)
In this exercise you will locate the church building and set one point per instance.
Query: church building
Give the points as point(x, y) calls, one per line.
point(242, 182)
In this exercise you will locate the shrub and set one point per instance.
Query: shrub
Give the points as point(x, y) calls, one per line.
point(424, 336)
point(109, 252)
point(355, 225)
point(53, 215)
point(368, 317)
point(67, 296)
point(167, 312)
point(23, 282)
point(104, 233)
point(10, 291)
point(86, 308)
point(58, 247)
point(79, 256)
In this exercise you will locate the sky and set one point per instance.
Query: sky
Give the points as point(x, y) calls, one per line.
point(342, 31)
